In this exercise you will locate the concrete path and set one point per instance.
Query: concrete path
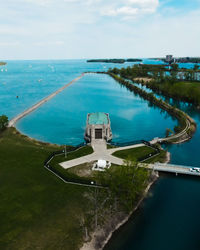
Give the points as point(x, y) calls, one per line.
point(37, 105)
point(171, 168)
point(100, 153)
point(112, 150)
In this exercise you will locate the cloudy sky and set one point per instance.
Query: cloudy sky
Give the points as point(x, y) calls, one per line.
point(71, 29)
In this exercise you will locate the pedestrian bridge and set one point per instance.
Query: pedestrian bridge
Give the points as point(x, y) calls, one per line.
point(170, 168)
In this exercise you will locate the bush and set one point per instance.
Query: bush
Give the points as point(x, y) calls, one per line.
point(3, 122)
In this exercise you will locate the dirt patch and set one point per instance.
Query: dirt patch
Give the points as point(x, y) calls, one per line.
point(143, 79)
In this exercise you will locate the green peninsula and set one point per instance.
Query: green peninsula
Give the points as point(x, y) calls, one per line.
point(2, 63)
point(114, 60)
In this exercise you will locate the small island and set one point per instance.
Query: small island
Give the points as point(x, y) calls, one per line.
point(2, 63)
point(114, 60)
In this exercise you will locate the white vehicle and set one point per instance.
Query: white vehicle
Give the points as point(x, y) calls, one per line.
point(195, 170)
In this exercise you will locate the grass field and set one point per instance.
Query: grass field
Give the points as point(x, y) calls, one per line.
point(86, 150)
point(37, 210)
point(135, 153)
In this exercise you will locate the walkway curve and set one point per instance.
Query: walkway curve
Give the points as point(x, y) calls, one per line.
point(37, 105)
point(100, 152)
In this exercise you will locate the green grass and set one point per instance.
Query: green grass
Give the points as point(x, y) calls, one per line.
point(158, 158)
point(109, 146)
point(37, 210)
point(67, 174)
point(86, 150)
point(135, 153)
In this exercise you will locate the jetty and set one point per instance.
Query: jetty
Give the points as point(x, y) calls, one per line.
point(40, 103)
point(172, 168)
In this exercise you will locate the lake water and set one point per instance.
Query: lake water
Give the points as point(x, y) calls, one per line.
point(63, 119)
point(168, 218)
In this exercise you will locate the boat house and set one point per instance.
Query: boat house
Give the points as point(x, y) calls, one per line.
point(98, 127)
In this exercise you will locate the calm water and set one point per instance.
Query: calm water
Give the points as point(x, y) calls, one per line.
point(63, 119)
point(34, 80)
point(169, 217)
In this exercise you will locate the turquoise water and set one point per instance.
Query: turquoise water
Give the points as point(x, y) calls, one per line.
point(63, 119)
point(34, 80)
point(169, 217)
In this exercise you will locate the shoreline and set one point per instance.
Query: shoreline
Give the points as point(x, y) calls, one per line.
point(188, 129)
point(16, 131)
point(90, 245)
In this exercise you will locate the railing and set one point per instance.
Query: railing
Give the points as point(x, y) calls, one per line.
point(70, 179)
point(125, 144)
point(147, 143)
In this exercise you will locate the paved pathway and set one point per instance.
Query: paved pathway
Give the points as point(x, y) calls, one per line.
point(171, 168)
point(37, 105)
point(100, 153)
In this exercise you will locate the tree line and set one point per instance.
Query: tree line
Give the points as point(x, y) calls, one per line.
point(181, 84)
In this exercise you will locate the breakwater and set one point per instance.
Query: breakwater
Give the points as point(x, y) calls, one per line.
point(37, 105)
point(187, 125)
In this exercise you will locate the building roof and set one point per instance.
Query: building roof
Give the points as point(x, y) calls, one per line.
point(98, 118)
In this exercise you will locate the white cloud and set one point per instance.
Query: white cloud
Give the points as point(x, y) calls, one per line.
point(9, 44)
point(125, 10)
point(145, 3)
point(52, 43)
point(131, 8)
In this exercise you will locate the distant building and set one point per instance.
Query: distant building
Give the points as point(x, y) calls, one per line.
point(98, 127)
point(169, 58)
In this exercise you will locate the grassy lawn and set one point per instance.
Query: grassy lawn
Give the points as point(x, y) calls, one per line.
point(68, 174)
point(110, 146)
point(158, 158)
point(37, 210)
point(86, 150)
point(135, 153)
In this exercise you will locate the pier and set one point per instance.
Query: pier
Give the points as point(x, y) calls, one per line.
point(171, 168)
point(40, 103)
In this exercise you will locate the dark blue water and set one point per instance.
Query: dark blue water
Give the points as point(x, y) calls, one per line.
point(168, 217)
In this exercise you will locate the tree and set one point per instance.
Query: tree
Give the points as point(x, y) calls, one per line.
point(3, 122)
point(174, 67)
point(126, 183)
point(196, 67)
point(168, 132)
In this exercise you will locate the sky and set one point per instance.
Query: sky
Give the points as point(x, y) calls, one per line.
point(77, 29)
